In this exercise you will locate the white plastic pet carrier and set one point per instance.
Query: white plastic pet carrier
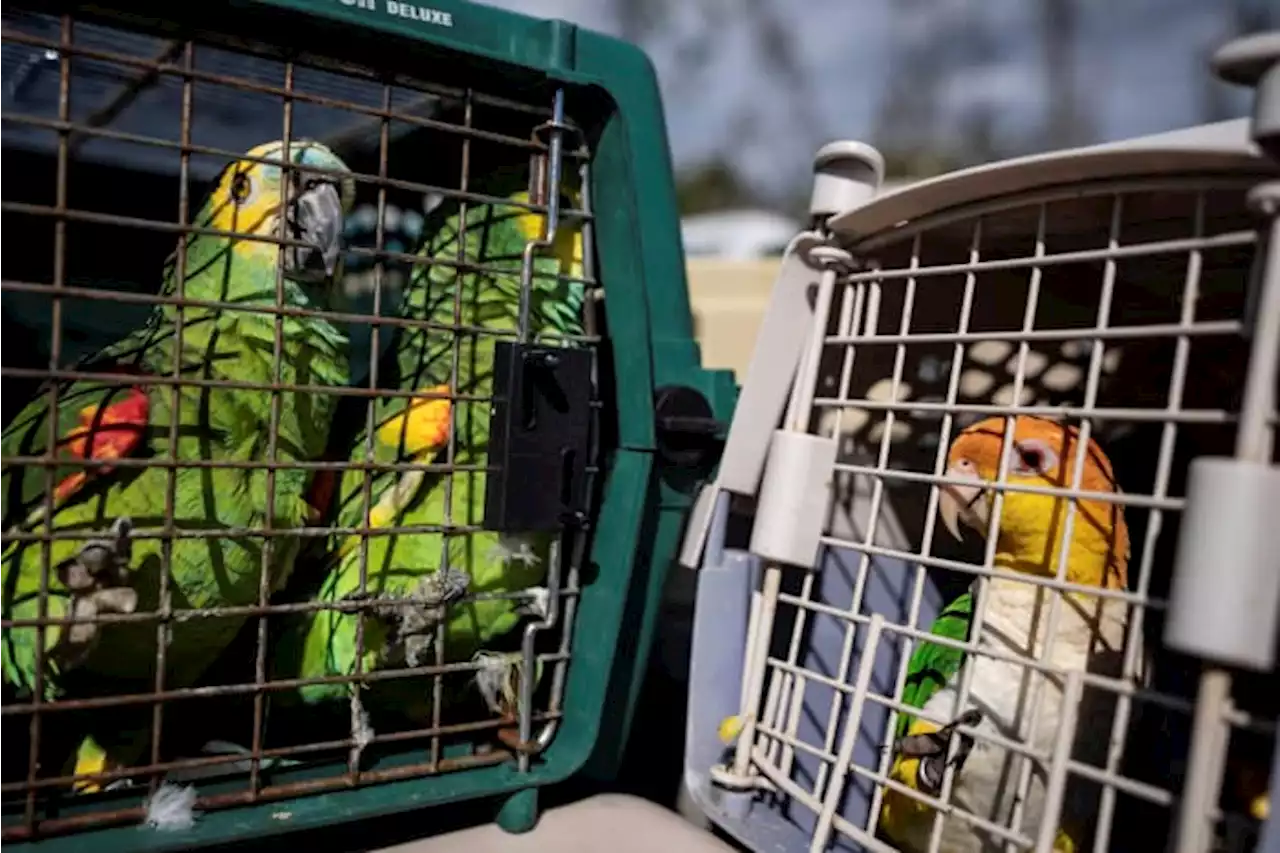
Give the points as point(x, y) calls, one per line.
point(1076, 347)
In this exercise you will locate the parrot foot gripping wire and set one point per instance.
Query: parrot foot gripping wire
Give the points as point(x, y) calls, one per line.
point(537, 604)
point(98, 580)
point(515, 549)
point(414, 617)
point(932, 747)
point(499, 679)
point(495, 679)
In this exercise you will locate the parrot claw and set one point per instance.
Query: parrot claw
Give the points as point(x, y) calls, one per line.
point(498, 680)
point(931, 749)
point(98, 579)
point(515, 549)
point(101, 561)
point(414, 619)
point(537, 604)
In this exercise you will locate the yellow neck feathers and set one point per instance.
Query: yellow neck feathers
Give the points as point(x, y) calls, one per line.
point(1031, 533)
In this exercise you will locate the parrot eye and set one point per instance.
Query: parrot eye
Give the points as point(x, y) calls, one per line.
point(241, 188)
point(1033, 457)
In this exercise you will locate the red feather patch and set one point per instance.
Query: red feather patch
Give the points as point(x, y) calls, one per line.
point(110, 432)
point(320, 494)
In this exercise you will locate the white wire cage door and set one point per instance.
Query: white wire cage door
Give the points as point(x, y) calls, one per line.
point(1057, 357)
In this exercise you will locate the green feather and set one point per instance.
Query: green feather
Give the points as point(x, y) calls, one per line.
point(449, 297)
point(213, 424)
point(933, 665)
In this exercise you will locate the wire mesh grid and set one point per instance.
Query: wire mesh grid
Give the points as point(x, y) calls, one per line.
point(1073, 348)
point(303, 501)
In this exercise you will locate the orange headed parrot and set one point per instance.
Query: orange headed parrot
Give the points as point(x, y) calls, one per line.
point(1089, 634)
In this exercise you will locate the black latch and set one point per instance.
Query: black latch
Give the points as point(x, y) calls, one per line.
point(539, 438)
point(688, 434)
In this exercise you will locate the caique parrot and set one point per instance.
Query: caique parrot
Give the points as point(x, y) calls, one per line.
point(421, 571)
point(100, 420)
point(1090, 635)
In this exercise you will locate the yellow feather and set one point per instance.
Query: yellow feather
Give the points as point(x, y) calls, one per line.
point(900, 810)
point(249, 197)
point(568, 243)
point(529, 222)
point(1031, 525)
point(1030, 538)
point(423, 425)
point(730, 728)
point(382, 513)
point(91, 759)
point(393, 502)
point(1260, 808)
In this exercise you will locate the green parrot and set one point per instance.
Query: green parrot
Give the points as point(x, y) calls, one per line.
point(99, 420)
point(414, 575)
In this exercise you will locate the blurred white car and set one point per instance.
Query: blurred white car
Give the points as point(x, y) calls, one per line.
point(737, 235)
point(746, 234)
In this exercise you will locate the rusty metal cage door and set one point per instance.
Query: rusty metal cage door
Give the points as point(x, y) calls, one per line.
point(467, 233)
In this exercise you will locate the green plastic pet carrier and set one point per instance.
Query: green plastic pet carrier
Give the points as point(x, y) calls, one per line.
point(352, 411)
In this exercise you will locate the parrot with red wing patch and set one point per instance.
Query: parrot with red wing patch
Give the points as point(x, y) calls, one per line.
point(107, 421)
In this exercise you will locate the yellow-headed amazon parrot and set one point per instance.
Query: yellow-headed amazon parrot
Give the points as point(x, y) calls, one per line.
point(1089, 635)
point(100, 420)
point(467, 294)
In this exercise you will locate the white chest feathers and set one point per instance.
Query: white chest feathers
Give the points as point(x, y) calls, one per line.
point(1024, 705)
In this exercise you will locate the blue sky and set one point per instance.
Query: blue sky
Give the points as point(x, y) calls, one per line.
point(1140, 66)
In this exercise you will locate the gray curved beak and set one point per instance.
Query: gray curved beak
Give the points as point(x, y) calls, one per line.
point(315, 217)
point(957, 504)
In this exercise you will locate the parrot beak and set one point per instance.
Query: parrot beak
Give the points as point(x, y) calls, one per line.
point(962, 503)
point(315, 216)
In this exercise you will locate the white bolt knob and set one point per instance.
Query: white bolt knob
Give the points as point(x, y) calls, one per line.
point(846, 175)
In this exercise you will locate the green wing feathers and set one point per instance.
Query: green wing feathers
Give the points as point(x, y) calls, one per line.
point(933, 665)
point(396, 563)
point(468, 297)
point(212, 424)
